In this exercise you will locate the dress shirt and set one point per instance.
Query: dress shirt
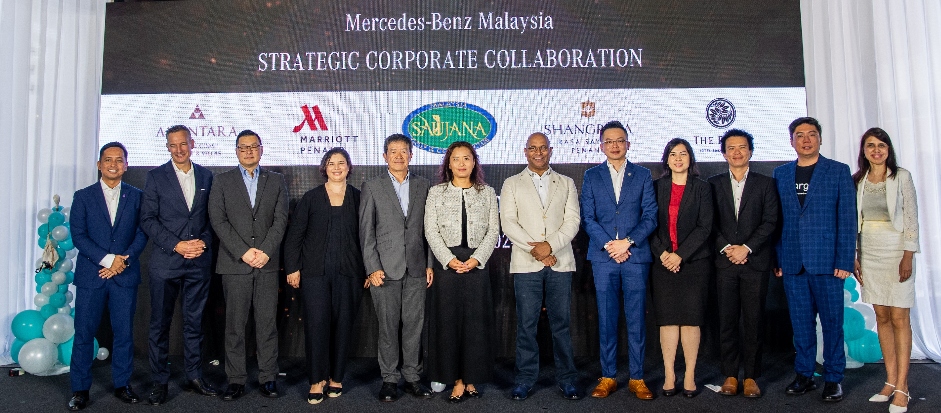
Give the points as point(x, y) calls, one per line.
point(737, 189)
point(187, 183)
point(541, 183)
point(112, 199)
point(251, 182)
point(401, 191)
point(617, 178)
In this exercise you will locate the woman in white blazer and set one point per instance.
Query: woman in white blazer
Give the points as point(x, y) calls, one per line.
point(461, 225)
point(888, 240)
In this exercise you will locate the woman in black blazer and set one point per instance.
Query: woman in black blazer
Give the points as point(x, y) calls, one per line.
point(679, 281)
point(322, 257)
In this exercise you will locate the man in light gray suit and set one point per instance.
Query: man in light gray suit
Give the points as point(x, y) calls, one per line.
point(248, 210)
point(398, 261)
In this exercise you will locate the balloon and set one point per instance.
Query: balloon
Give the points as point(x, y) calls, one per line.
point(49, 288)
point(69, 297)
point(847, 298)
point(59, 328)
point(854, 295)
point(38, 355)
point(71, 254)
point(59, 233)
point(38, 288)
point(58, 300)
point(868, 314)
point(850, 283)
point(62, 289)
point(66, 264)
point(42, 243)
point(66, 212)
point(15, 349)
point(866, 349)
point(41, 299)
point(103, 353)
point(60, 250)
point(65, 352)
point(94, 352)
point(43, 277)
point(850, 362)
point(55, 219)
point(854, 325)
point(57, 278)
point(65, 309)
point(43, 231)
point(437, 386)
point(43, 215)
point(66, 245)
point(69, 277)
point(48, 310)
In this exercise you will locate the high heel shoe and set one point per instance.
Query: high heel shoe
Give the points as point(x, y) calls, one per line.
point(899, 409)
point(879, 398)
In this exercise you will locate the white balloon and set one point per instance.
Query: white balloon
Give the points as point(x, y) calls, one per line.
point(71, 254)
point(39, 262)
point(58, 328)
point(43, 215)
point(59, 233)
point(437, 386)
point(66, 309)
point(868, 314)
point(103, 353)
point(69, 296)
point(41, 300)
point(38, 355)
point(67, 264)
point(66, 212)
point(847, 298)
point(50, 288)
point(58, 277)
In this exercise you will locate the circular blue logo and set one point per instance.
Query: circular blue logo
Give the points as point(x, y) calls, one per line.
point(720, 113)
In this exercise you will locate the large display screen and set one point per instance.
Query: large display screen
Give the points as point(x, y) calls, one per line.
point(309, 75)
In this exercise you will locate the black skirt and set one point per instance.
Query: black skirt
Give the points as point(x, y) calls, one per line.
point(680, 298)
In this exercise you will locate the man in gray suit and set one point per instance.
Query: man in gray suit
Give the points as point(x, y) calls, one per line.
point(248, 209)
point(398, 261)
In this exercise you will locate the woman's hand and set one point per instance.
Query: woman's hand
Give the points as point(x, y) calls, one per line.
point(905, 267)
point(294, 279)
point(456, 265)
point(858, 272)
point(672, 262)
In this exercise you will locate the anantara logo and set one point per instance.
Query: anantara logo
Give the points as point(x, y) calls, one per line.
point(197, 113)
point(435, 126)
point(312, 118)
point(588, 109)
point(720, 113)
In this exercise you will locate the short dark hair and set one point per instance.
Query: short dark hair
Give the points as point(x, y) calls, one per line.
point(665, 160)
point(110, 145)
point(737, 132)
point(800, 121)
point(611, 125)
point(397, 137)
point(247, 132)
point(179, 128)
point(329, 154)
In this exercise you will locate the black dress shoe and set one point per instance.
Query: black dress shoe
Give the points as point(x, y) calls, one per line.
point(689, 394)
point(78, 401)
point(832, 392)
point(801, 384)
point(233, 391)
point(569, 391)
point(521, 392)
point(669, 392)
point(199, 386)
point(126, 394)
point(314, 398)
point(389, 392)
point(457, 399)
point(158, 395)
point(270, 389)
point(333, 391)
point(418, 390)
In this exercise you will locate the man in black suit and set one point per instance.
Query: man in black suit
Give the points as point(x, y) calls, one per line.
point(746, 218)
point(174, 214)
point(248, 209)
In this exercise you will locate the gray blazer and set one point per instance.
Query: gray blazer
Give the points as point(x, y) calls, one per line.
point(240, 227)
point(391, 241)
point(443, 221)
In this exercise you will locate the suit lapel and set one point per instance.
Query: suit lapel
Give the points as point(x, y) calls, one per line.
point(262, 184)
point(748, 192)
point(102, 204)
point(122, 205)
point(726, 199)
point(628, 178)
point(412, 195)
point(820, 171)
point(529, 190)
point(787, 179)
point(606, 183)
point(174, 182)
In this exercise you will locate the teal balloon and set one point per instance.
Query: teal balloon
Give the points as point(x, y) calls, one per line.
point(66, 244)
point(69, 277)
point(849, 284)
point(61, 251)
point(865, 349)
point(48, 310)
point(854, 324)
point(42, 277)
point(41, 243)
point(94, 353)
point(68, 225)
point(58, 300)
point(38, 288)
point(55, 219)
point(62, 289)
point(43, 231)
point(65, 352)
point(27, 325)
point(15, 349)
point(854, 295)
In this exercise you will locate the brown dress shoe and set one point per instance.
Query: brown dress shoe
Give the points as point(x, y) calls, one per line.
point(730, 387)
point(604, 388)
point(639, 388)
point(751, 389)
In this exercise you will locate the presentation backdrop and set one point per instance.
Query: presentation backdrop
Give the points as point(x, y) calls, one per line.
point(308, 75)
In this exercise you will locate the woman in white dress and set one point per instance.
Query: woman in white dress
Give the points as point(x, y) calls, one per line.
point(888, 240)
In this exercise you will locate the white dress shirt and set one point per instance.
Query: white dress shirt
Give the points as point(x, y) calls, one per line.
point(112, 199)
point(187, 183)
point(541, 183)
point(617, 178)
point(737, 188)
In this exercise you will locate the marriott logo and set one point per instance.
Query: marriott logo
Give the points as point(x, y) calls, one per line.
point(312, 118)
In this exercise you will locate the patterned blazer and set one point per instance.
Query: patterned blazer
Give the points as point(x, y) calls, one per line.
point(443, 221)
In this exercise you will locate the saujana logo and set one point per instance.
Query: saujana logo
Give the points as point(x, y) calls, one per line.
point(435, 126)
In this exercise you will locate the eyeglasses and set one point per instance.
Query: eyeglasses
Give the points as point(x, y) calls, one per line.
point(813, 135)
point(537, 149)
point(247, 148)
point(619, 142)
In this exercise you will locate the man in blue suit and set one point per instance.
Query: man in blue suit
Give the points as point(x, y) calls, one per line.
point(175, 215)
point(815, 254)
point(106, 230)
point(619, 212)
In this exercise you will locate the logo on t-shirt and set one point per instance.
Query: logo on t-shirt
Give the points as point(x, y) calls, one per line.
point(802, 188)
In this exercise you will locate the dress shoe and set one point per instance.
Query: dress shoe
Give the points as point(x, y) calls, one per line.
point(199, 386)
point(569, 391)
point(639, 388)
point(314, 398)
point(389, 392)
point(126, 394)
point(233, 391)
point(270, 389)
point(417, 389)
point(459, 398)
point(730, 387)
point(880, 398)
point(334, 391)
point(78, 401)
point(669, 392)
point(832, 392)
point(689, 394)
point(521, 392)
point(894, 408)
point(475, 394)
point(158, 395)
point(801, 384)
point(751, 389)
point(605, 386)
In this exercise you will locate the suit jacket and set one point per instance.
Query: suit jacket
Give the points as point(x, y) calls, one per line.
point(95, 237)
point(757, 221)
point(240, 227)
point(902, 203)
point(443, 226)
point(634, 216)
point(307, 237)
point(819, 236)
point(391, 241)
point(693, 222)
point(524, 220)
point(167, 220)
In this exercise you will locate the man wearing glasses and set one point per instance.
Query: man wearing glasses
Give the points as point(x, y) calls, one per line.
point(248, 209)
point(619, 211)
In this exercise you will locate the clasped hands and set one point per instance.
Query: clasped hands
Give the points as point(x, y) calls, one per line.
point(618, 250)
point(255, 257)
point(671, 261)
point(463, 267)
point(117, 266)
point(190, 249)
point(737, 254)
point(542, 252)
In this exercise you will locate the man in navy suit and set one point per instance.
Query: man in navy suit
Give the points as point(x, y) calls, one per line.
point(815, 254)
point(619, 212)
point(106, 231)
point(175, 216)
